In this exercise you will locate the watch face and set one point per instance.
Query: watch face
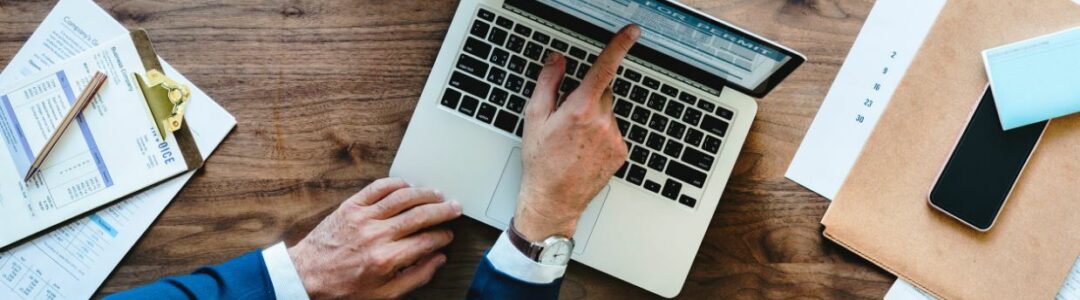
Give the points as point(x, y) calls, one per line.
point(557, 252)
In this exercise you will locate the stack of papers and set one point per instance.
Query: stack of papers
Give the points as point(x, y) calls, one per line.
point(72, 261)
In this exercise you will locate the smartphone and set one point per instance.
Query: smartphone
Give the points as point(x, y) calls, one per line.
point(984, 166)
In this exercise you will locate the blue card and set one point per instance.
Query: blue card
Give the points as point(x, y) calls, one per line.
point(1037, 79)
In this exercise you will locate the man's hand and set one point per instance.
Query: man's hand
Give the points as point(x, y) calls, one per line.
point(570, 153)
point(377, 245)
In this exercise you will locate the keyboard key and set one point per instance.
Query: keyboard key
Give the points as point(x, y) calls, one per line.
point(712, 144)
point(450, 98)
point(473, 66)
point(706, 106)
point(636, 174)
point(657, 162)
point(498, 97)
point(638, 134)
point(671, 189)
point(651, 83)
point(692, 116)
point(486, 15)
point(533, 51)
point(697, 159)
point(479, 29)
point(514, 83)
point(469, 85)
point(506, 121)
point(486, 112)
point(675, 130)
point(497, 76)
point(541, 37)
point(685, 174)
point(559, 45)
point(622, 170)
point(568, 85)
point(694, 137)
point(520, 129)
point(571, 66)
point(582, 71)
point(515, 43)
point(533, 71)
point(504, 22)
point(632, 75)
point(639, 154)
point(688, 98)
point(624, 126)
point(517, 64)
point(577, 52)
point(468, 106)
point(669, 90)
point(477, 48)
point(523, 30)
point(674, 109)
point(724, 113)
point(619, 70)
point(686, 200)
point(673, 148)
point(499, 57)
point(592, 58)
point(639, 94)
point(527, 91)
point(657, 102)
point(498, 36)
point(621, 87)
point(640, 115)
point(714, 125)
point(656, 141)
point(623, 108)
point(652, 186)
point(658, 122)
point(516, 104)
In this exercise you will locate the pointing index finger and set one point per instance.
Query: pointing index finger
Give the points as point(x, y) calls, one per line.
point(603, 71)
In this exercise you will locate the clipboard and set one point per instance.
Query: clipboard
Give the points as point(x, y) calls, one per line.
point(166, 99)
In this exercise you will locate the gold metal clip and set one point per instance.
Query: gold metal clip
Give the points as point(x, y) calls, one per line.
point(166, 98)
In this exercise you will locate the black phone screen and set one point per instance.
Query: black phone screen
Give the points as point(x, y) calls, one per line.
point(986, 163)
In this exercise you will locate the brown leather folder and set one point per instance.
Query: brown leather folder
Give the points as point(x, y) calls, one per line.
point(881, 212)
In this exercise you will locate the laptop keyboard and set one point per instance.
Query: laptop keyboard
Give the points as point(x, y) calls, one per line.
point(673, 136)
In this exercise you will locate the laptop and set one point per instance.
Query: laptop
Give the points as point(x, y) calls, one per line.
point(684, 101)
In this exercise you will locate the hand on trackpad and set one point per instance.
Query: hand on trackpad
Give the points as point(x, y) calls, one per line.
point(504, 201)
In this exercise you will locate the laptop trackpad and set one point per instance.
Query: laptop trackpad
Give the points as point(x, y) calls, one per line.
point(504, 201)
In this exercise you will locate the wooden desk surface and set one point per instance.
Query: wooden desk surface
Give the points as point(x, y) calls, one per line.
point(323, 92)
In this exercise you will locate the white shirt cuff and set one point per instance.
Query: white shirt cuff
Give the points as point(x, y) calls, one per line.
point(508, 259)
point(283, 275)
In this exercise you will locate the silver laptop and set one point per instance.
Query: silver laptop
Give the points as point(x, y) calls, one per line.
point(684, 103)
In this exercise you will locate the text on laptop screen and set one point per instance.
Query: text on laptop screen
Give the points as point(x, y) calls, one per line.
point(668, 29)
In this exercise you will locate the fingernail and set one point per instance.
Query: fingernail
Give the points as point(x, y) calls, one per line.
point(552, 58)
point(634, 31)
point(438, 194)
point(456, 205)
point(441, 259)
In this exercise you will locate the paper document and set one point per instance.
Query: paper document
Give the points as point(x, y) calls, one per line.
point(111, 150)
point(72, 261)
point(902, 290)
point(891, 36)
point(1036, 79)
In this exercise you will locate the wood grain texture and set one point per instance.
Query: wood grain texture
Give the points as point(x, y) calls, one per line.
point(323, 92)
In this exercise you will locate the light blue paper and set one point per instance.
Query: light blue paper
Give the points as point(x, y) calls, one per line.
point(1037, 79)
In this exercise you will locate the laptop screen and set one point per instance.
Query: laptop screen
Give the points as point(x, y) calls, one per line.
point(708, 45)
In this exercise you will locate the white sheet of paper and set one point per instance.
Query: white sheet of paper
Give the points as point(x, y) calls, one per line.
point(891, 36)
point(902, 290)
point(72, 261)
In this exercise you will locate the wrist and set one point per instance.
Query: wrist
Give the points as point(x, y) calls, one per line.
point(311, 285)
point(537, 222)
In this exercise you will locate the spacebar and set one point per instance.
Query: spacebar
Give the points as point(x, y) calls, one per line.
point(686, 174)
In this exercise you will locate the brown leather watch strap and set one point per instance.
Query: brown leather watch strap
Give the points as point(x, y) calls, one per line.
point(525, 246)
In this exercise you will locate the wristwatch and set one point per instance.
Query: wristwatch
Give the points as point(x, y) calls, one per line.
point(554, 250)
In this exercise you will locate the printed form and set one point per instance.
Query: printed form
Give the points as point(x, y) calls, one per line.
point(72, 261)
point(111, 150)
point(888, 42)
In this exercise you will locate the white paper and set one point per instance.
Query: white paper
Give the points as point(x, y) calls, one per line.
point(891, 36)
point(902, 290)
point(72, 261)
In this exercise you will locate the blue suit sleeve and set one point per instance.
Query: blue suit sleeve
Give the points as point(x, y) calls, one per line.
point(489, 283)
point(244, 277)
